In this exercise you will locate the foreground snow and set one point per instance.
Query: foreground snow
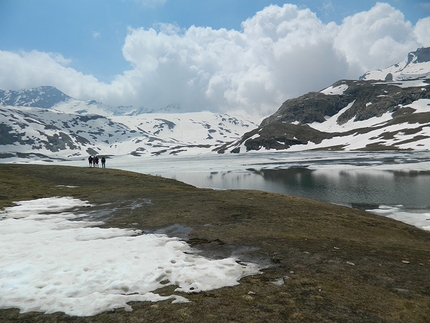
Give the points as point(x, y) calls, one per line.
point(54, 261)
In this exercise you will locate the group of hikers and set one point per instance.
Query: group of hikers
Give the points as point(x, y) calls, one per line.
point(94, 161)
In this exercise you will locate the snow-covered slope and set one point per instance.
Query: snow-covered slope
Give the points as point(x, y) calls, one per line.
point(46, 133)
point(409, 129)
point(416, 66)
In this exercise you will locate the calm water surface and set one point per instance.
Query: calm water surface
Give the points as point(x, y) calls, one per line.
point(354, 179)
point(359, 188)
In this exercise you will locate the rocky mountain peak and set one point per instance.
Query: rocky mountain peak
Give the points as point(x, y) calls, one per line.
point(41, 97)
point(421, 55)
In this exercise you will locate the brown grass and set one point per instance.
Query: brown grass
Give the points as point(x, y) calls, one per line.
point(339, 264)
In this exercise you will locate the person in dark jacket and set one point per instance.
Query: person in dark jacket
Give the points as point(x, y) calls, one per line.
point(103, 162)
point(90, 160)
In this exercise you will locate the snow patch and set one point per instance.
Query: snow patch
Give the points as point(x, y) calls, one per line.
point(417, 218)
point(337, 90)
point(52, 261)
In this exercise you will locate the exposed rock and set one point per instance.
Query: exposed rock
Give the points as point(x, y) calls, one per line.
point(369, 99)
point(421, 55)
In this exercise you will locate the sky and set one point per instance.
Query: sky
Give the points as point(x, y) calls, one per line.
point(118, 266)
point(218, 55)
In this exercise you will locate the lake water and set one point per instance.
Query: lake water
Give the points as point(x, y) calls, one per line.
point(350, 187)
point(394, 184)
point(343, 178)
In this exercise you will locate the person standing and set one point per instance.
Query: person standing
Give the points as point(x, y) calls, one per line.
point(90, 160)
point(103, 162)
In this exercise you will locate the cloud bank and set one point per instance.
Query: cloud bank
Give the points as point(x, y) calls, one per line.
point(280, 53)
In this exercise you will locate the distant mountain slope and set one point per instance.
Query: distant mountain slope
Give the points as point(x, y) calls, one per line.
point(41, 97)
point(416, 66)
point(367, 114)
point(46, 133)
point(49, 97)
point(46, 123)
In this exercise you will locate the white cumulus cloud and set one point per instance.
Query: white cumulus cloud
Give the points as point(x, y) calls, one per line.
point(422, 31)
point(375, 38)
point(280, 52)
point(30, 69)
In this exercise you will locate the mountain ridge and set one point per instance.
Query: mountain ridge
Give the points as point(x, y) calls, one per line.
point(29, 132)
point(49, 97)
point(45, 123)
point(375, 112)
point(41, 97)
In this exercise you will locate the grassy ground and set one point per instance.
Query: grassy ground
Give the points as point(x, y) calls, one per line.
point(338, 264)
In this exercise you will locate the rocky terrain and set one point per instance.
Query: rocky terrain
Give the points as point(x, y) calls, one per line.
point(385, 110)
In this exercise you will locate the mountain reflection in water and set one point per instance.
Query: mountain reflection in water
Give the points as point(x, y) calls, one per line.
point(361, 188)
point(353, 187)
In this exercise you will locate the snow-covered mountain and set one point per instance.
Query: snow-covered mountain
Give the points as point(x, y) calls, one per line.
point(49, 97)
point(416, 66)
point(29, 132)
point(93, 107)
point(46, 123)
point(366, 114)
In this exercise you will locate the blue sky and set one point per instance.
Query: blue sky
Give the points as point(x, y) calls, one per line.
point(98, 41)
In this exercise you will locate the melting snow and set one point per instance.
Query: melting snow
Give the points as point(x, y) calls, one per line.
point(416, 218)
point(52, 261)
point(337, 90)
point(422, 105)
point(406, 84)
